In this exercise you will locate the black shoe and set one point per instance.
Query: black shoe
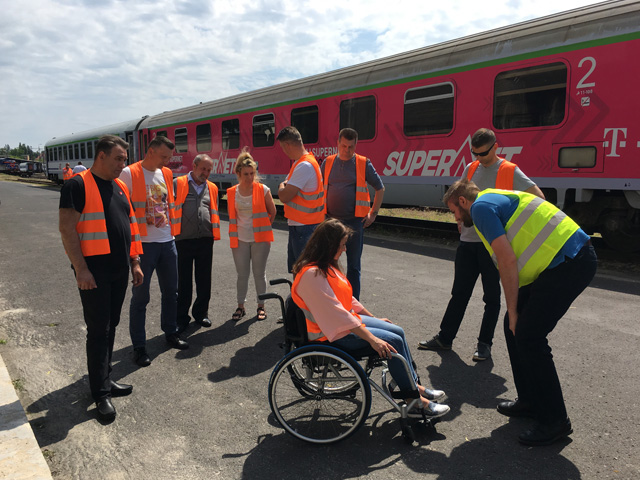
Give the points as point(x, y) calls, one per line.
point(434, 344)
point(176, 342)
point(205, 322)
point(120, 389)
point(140, 357)
point(515, 409)
point(182, 327)
point(106, 410)
point(546, 434)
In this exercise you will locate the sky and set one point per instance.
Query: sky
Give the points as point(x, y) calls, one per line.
point(72, 65)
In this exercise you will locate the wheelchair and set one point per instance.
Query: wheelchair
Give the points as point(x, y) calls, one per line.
point(320, 393)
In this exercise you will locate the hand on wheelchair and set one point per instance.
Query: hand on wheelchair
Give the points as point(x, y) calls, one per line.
point(382, 348)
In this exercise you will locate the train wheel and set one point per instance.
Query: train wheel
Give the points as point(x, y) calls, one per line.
point(621, 230)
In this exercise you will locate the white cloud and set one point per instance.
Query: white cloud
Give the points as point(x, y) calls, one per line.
point(70, 65)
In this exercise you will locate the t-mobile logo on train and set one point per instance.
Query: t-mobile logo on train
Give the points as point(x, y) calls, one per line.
point(437, 163)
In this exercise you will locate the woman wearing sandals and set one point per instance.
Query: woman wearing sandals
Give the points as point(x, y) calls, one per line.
point(251, 213)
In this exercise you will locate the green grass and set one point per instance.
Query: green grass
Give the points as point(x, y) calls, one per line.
point(18, 385)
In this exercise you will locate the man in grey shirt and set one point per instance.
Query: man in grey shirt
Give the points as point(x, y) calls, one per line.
point(346, 177)
point(472, 259)
point(198, 227)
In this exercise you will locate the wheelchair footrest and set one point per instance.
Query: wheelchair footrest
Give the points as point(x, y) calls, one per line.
point(403, 394)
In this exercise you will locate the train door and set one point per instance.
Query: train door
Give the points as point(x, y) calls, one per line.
point(131, 150)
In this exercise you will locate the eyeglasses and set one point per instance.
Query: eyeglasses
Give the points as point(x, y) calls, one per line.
point(483, 154)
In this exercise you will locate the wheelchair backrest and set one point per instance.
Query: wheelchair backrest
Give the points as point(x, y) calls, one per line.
point(295, 325)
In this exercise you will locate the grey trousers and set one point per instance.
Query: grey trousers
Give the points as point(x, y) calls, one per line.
point(251, 255)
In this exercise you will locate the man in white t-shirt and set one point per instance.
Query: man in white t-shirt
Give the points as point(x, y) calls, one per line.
point(302, 193)
point(151, 186)
point(79, 168)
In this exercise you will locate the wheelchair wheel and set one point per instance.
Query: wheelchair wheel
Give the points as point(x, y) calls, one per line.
point(319, 394)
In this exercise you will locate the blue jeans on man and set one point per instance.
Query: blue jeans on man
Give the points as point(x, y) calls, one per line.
point(354, 253)
point(298, 237)
point(163, 258)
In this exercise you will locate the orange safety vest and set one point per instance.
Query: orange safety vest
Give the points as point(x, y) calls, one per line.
point(343, 291)
point(306, 208)
point(67, 173)
point(92, 226)
point(504, 180)
point(182, 184)
point(363, 201)
point(139, 197)
point(262, 231)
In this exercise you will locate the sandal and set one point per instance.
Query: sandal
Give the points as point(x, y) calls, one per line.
point(262, 315)
point(238, 314)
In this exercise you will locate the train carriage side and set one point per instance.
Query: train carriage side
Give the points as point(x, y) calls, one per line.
point(80, 147)
point(557, 91)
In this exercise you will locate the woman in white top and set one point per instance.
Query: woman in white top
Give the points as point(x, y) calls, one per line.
point(251, 213)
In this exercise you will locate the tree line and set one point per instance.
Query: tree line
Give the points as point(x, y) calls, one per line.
point(21, 151)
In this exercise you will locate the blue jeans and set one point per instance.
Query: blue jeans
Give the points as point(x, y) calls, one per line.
point(298, 237)
point(392, 334)
point(354, 253)
point(163, 258)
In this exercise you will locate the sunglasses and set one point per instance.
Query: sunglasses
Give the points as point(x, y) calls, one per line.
point(483, 154)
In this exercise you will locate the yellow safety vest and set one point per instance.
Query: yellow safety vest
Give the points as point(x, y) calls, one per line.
point(537, 230)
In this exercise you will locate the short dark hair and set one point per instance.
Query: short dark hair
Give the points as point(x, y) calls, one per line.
point(482, 137)
point(290, 135)
point(160, 140)
point(461, 188)
point(348, 134)
point(106, 143)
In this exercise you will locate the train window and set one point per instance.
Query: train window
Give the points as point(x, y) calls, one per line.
point(146, 145)
point(577, 157)
point(161, 133)
point(203, 137)
point(76, 149)
point(264, 130)
point(359, 114)
point(231, 134)
point(428, 110)
point(83, 151)
point(60, 155)
point(305, 119)
point(182, 140)
point(89, 150)
point(530, 97)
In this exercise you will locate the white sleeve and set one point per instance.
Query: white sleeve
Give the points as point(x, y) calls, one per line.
point(304, 177)
point(125, 176)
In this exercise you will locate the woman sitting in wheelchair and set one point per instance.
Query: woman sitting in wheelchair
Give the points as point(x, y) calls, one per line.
point(333, 315)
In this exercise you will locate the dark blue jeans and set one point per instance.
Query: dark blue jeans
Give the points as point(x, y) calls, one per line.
point(540, 306)
point(472, 259)
point(298, 237)
point(163, 258)
point(354, 253)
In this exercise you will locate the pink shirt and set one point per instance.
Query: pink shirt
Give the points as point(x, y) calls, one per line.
point(332, 318)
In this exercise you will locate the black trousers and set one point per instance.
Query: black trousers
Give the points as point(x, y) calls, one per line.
point(472, 259)
point(198, 252)
point(540, 306)
point(102, 307)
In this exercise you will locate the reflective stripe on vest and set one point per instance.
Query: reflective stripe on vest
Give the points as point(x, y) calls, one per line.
point(182, 190)
point(363, 201)
point(139, 197)
point(92, 226)
point(306, 208)
point(504, 179)
point(261, 223)
point(342, 290)
point(537, 230)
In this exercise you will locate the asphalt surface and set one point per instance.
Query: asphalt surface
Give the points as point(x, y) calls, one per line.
point(203, 413)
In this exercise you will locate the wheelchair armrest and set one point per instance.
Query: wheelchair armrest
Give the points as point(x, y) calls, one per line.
point(278, 281)
point(270, 295)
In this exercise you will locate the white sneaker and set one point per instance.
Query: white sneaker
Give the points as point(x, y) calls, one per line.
point(433, 410)
point(434, 395)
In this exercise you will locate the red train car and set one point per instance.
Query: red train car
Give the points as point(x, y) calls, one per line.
point(559, 91)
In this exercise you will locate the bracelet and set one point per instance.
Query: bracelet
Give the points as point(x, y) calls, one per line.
point(135, 259)
point(375, 212)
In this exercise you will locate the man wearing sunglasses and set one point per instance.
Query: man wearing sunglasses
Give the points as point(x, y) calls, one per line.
point(472, 259)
